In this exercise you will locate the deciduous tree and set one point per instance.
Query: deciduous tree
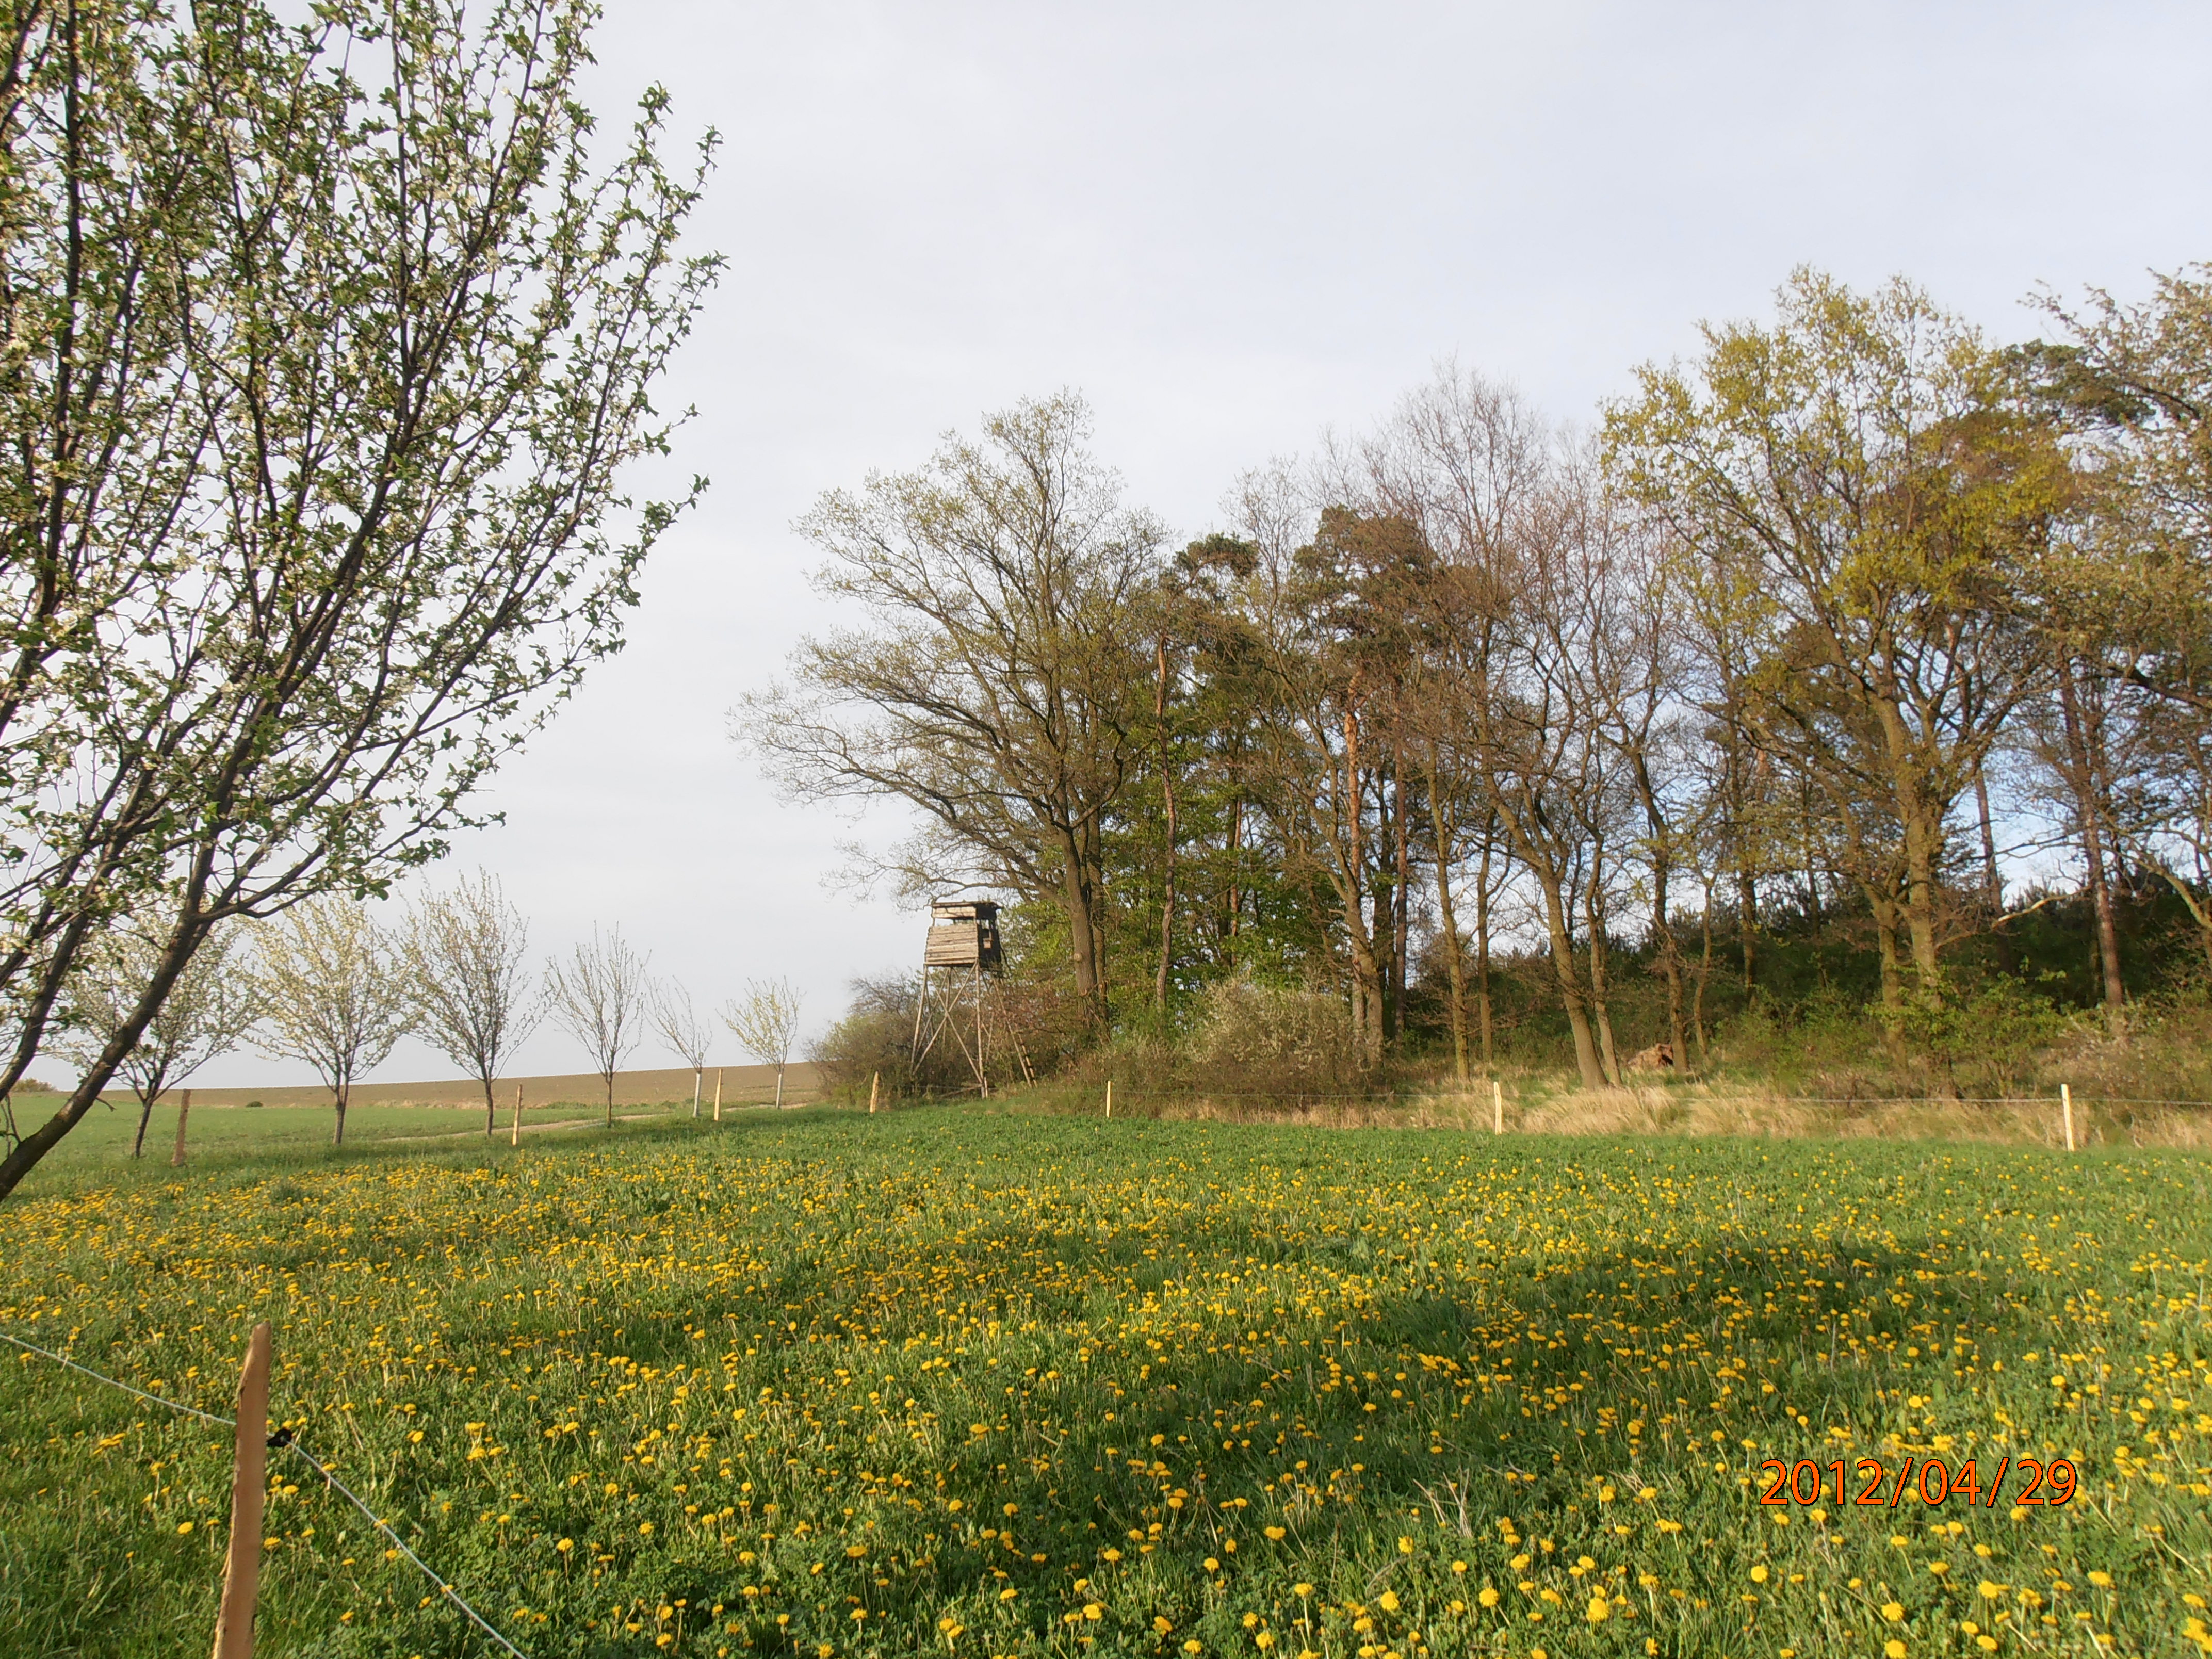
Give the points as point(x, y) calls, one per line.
point(603, 996)
point(684, 1031)
point(332, 992)
point(464, 953)
point(999, 684)
point(216, 1002)
point(331, 342)
point(765, 1020)
point(1859, 476)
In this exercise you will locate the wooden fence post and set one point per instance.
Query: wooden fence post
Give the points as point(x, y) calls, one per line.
point(1110, 1096)
point(241, 1578)
point(874, 1083)
point(2066, 1111)
point(184, 1110)
point(514, 1134)
point(718, 1094)
point(1497, 1108)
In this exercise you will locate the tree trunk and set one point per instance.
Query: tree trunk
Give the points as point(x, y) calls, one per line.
point(1670, 966)
point(2081, 744)
point(1811, 871)
point(1386, 1009)
point(1570, 990)
point(1747, 899)
point(1662, 933)
point(1454, 959)
point(1366, 971)
point(1601, 1012)
point(1082, 927)
point(1235, 896)
point(491, 1109)
point(779, 1088)
point(1992, 879)
point(184, 1111)
point(1992, 884)
point(1704, 978)
point(1167, 801)
point(1482, 945)
point(145, 1116)
point(343, 1088)
point(23, 1156)
point(1924, 841)
point(1401, 900)
point(1366, 981)
point(1884, 909)
point(1885, 933)
point(1095, 903)
point(609, 1078)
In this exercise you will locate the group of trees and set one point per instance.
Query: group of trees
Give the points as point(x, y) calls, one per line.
point(331, 336)
point(325, 985)
point(1855, 617)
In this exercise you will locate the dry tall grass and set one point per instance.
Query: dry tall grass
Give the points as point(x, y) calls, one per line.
point(1532, 1107)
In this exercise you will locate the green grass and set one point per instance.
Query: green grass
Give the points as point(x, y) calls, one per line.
point(221, 1135)
point(949, 1380)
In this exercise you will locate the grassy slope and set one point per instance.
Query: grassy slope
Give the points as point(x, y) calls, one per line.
point(951, 1381)
point(269, 1135)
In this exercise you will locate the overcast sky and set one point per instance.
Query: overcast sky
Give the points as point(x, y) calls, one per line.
point(1231, 226)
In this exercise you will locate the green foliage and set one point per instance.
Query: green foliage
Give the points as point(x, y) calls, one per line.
point(1983, 1040)
point(1264, 1039)
point(333, 340)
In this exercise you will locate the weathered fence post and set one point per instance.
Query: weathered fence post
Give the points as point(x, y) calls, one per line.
point(241, 1578)
point(2066, 1111)
point(718, 1094)
point(514, 1134)
point(874, 1083)
point(1110, 1096)
point(1497, 1108)
point(184, 1110)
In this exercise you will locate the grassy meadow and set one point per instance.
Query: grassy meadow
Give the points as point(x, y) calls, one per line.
point(948, 1381)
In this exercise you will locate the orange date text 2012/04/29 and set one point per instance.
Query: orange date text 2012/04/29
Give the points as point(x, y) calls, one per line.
point(1868, 1483)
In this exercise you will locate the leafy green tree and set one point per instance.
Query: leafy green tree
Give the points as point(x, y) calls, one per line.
point(331, 344)
point(1000, 684)
point(1858, 476)
point(2132, 614)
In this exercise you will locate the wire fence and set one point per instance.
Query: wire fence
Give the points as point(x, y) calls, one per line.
point(1125, 1093)
point(288, 1440)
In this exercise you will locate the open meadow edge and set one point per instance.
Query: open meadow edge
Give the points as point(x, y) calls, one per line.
point(948, 1380)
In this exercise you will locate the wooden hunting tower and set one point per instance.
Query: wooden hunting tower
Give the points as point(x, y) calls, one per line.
point(962, 934)
point(962, 946)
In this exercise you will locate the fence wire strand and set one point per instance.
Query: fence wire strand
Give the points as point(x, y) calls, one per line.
point(286, 1440)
